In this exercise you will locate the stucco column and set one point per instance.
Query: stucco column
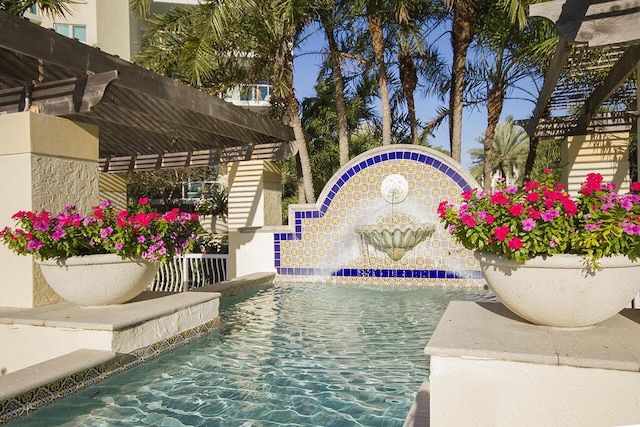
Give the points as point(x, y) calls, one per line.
point(255, 200)
point(46, 163)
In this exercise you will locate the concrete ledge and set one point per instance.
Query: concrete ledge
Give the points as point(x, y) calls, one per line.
point(420, 411)
point(489, 368)
point(239, 285)
point(31, 336)
point(24, 380)
point(490, 331)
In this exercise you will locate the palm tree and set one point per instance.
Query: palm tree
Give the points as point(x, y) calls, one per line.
point(465, 14)
point(510, 148)
point(269, 30)
point(414, 58)
point(376, 13)
point(326, 15)
point(505, 59)
point(50, 7)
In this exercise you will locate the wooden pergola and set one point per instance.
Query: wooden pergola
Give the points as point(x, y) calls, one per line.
point(597, 53)
point(145, 120)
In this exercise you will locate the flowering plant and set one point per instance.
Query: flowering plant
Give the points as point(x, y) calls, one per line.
point(152, 236)
point(541, 219)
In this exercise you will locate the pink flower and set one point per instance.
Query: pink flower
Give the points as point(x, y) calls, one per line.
point(516, 210)
point(442, 209)
point(105, 232)
point(466, 195)
point(34, 245)
point(594, 226)
point(531, 185)
point(118, 245)
point(468, 220)
point(550, 215)
point(514, 243)
point(532, 197)
point(528, 224)
point(143, 200)
point(498, 198)
point(569, 206)
point(501, 232)
point(58, 234)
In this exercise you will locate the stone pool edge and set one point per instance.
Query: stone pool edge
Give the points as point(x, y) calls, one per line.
point(36, 386)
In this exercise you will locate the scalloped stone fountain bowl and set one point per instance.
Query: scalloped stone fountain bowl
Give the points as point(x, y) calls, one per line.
point(395, 239)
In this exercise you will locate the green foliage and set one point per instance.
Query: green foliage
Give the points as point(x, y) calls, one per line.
point(541, 219)
point(212, 244)
point(162, 183)
point(49, 7)
point(510, 149)
point(214, 201)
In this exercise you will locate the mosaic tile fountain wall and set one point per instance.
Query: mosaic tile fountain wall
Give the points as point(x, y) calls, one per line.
point(322, 242)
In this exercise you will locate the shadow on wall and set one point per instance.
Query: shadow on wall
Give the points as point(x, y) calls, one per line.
point(322, 240)
point(607, 154)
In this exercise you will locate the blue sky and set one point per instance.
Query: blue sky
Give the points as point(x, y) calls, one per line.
point(307, 64)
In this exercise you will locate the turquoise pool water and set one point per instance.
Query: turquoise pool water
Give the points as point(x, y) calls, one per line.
point(293, 354)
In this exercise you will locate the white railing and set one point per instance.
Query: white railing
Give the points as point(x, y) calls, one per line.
point(190, 271)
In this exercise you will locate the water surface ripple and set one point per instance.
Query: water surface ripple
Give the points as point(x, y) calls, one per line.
point(292, 354)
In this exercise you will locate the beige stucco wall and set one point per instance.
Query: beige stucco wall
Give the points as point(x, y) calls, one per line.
point(255, 200)
point(255, 197)
point(113, 186)
point(113, 28)
point(607, 154)
point(498, 393)
point(46, 163)
point(81, 12)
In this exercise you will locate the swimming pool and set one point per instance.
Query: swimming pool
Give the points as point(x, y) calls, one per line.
point(291, 354)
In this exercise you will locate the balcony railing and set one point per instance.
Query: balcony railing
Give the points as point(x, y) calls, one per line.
point(191, 271)
point(259, 92)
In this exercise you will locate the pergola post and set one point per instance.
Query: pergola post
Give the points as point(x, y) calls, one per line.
point(255, 201)
point(46, 163)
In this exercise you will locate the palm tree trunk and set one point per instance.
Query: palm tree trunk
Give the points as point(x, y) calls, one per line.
point(341, 104)
point(301, 142)
point(409, 80)
point(300, 181)
point(495, 101)
point(464, 15)
point(283, 88)
point(376, 24)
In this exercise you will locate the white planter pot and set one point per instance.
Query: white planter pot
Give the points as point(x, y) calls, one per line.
point(96, 280)
point(559, 291)
point(213, 225)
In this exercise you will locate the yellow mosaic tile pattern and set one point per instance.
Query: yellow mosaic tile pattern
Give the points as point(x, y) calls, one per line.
point(331, 243)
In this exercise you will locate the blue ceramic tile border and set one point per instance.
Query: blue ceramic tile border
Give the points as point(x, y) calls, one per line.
point(343, 179)
point(382, 273)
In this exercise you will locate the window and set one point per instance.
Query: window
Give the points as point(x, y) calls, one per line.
point(78, 32)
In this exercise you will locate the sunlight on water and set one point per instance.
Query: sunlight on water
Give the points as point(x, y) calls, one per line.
point(293, 354)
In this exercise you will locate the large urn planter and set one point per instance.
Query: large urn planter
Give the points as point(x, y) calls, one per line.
point(98, 280)
point(558, 290)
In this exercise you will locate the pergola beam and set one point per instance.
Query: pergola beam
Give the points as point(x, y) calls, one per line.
point(550, 81)
point(596, 22)
point(618, 74)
